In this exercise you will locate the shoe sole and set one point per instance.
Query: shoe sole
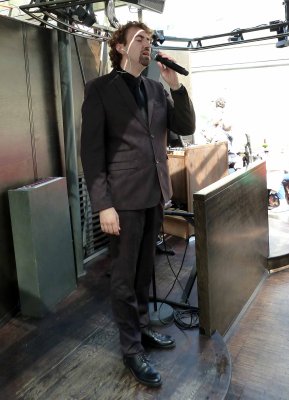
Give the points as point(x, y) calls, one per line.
point(150, 384)
point(156, 346)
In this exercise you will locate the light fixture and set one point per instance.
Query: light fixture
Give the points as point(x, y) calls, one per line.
point(84, 14)
point(158, 38)
point(237, 36)
point(282, 39)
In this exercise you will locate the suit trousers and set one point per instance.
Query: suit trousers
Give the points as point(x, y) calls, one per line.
point(132, 260)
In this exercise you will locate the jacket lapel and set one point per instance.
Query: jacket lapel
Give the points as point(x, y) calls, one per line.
point(150, 98)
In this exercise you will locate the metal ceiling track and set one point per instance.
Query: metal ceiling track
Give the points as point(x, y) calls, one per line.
point(234, 38)
point(69, 16)
point(77, 17)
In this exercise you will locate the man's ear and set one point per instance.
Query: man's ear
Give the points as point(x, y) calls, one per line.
point(119, 48)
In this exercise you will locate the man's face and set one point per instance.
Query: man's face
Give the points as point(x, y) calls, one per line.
point(138, 47)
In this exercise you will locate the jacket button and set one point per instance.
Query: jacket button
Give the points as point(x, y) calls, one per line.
point(152, 136)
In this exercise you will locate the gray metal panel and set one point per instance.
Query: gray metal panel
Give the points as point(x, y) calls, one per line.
point(44, 99)
point(31, 131)
point(16, 165)
point(29, 103)
point(94, 240)
point(14, 122)
point(43, 245)
point(89, 54)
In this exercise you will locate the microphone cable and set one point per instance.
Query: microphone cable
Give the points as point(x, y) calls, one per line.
point(185, 315)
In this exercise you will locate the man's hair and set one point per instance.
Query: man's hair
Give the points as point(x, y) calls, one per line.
point(119, 36)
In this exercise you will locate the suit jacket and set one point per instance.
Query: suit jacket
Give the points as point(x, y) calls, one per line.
point(123, 154)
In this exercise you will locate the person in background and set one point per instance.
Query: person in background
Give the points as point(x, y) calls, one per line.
point(125, 120)
point(221, 128)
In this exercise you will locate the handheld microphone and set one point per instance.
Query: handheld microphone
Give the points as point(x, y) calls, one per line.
point(169, 63)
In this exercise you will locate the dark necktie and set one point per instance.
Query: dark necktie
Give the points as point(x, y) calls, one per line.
point(140, 99)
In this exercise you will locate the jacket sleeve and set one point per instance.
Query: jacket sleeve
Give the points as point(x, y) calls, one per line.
point(92, 151)
point(181, 113)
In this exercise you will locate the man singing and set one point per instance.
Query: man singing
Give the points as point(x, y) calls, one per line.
point(125, 119)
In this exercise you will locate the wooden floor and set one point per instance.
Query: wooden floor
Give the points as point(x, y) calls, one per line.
point(259, 347)
point(73, 353)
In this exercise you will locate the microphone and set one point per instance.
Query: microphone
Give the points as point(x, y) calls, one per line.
point(169, 63)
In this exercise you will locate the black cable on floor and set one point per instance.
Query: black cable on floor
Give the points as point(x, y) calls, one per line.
point(186, 319)
point(185, 315)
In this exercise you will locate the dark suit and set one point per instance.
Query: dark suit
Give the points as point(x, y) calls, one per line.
point(125, 166)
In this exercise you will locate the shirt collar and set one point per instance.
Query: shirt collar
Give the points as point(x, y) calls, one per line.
point(130, 79)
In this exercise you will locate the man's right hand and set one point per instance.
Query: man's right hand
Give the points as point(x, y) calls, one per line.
point(109, 221)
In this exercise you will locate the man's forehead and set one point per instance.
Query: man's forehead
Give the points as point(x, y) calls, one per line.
point(135, 32)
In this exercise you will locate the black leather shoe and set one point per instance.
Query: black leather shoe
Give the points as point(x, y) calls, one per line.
point(156, 339)
point(142, 370)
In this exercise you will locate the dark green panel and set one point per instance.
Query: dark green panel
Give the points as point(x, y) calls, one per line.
point(43, 245)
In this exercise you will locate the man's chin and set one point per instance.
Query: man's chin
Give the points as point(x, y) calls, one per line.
point(145, 61)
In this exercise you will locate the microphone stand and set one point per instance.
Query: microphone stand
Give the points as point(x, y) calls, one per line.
point(190, 218)
point(160, 311)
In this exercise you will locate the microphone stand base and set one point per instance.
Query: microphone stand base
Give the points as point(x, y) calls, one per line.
point(160, 314)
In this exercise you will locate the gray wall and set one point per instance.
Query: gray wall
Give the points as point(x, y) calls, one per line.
point(31, 133)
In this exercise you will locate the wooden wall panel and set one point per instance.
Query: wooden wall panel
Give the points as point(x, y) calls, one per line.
point(232, 245)
point(193, 169)
point(205, 164)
